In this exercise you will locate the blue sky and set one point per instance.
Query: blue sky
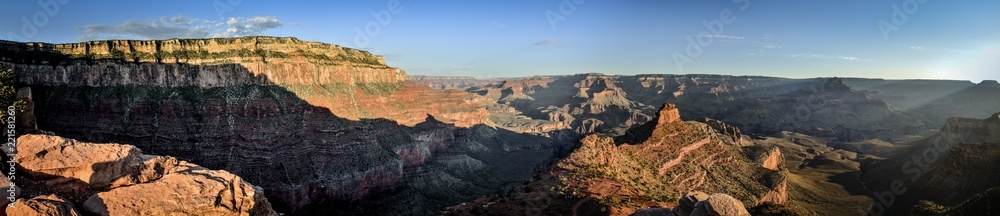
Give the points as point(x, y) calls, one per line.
point(788, 38)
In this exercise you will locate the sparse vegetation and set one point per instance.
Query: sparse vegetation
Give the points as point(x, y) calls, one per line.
point(381, 88)
point(8, 93)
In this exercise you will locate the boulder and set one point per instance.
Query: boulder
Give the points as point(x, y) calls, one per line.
point(720, 205)
point(59, 159)
point(46, 205)
point(686, 204)
point(187, 190)
point(156, 185)
point(4, 187)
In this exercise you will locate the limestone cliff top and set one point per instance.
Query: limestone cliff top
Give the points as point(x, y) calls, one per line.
point(206, 50)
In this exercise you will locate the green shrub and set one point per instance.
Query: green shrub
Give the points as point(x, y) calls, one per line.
point(8, 93)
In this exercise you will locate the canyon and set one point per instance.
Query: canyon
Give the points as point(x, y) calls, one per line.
point(309, 128)
point(315, 144)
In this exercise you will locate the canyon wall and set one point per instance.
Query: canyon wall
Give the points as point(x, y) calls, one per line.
point(194, 62)
point(321, 128)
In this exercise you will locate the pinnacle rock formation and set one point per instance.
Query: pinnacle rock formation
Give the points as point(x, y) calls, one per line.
point(668, 114)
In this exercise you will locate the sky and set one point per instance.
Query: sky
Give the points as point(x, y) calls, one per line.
point(893, 39)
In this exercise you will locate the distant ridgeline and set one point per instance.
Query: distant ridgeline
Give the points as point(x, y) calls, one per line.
point(194, 62)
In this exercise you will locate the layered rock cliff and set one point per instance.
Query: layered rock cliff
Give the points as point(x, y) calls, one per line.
point(586, 103)
point(194, 62)
point(452, 82)
point(355, 143)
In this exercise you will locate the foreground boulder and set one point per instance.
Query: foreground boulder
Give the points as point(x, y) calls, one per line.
point(56, 159)
point(192, 190)
point(720, 205)
point(686, 204)
point(46, 205)
point(698, 203)
point(156, 185)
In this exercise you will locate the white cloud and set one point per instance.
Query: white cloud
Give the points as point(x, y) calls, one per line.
point(498, 25)
point(180, 27)
point(548, 42)
point(916, 48)
point(719, 36)
point(239, 26)
point(823, 57)
point(771, 46)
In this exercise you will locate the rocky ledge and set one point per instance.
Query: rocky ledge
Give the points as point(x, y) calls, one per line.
point(69, 177)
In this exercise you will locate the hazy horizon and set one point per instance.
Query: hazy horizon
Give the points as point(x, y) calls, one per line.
point(793, 39)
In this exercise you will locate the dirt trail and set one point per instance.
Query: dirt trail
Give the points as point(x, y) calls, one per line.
point(684, 151)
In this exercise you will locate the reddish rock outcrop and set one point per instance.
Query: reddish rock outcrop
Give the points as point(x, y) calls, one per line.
point(46, 205)
point(772, 159)
point(124, 182)
point(66, 160)
point(648, 166)
point(668, 114)
point(185, 189)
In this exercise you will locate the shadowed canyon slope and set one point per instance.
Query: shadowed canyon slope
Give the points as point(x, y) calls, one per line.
point(316, 141)
point(947, 168)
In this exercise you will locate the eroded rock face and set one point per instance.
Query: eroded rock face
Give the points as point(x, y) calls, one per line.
point(450, 82)
point(648, 166)
point(668, 114)
point(194, 62)
point(586, 103)
point(316, 125)
point(46, 205)
point(124, 182)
